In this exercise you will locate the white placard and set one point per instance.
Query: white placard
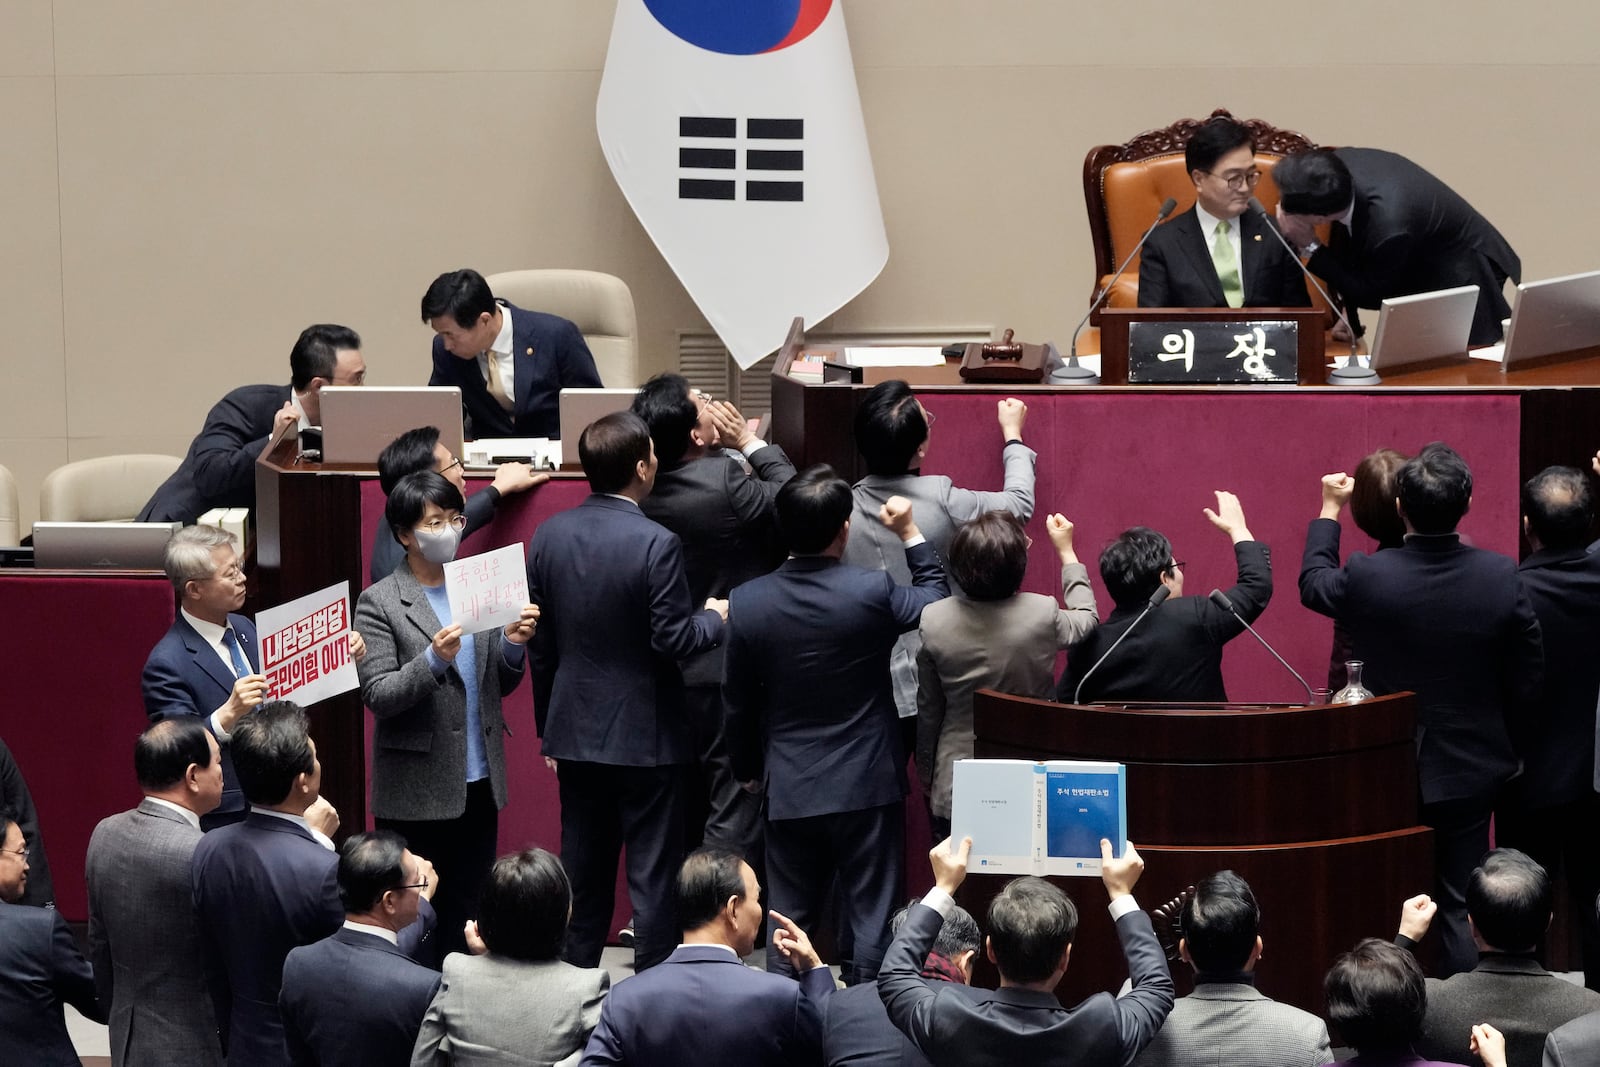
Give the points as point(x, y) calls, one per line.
point(305, 647)
point(487, 590)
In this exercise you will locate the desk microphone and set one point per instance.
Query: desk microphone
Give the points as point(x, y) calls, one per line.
point(1074, 369)
point(1161, 593)
point(1220, 599)
point(1352, 373)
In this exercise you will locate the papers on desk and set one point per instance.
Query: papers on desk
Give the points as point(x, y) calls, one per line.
point(1043, 818)
point(890, 356)
point(1489, 353)
point(487, 453)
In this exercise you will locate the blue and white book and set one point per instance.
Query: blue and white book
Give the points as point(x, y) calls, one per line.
point(1044, 818)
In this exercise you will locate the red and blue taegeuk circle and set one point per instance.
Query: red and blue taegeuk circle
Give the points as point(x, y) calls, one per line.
point(740, 27)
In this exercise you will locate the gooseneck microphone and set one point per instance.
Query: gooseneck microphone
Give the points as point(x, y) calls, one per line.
point(1161, 593)
point(1073, 368)
point(1352, 373)
point(1220, 599)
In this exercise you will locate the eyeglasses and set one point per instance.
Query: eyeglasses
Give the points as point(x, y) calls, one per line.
point(452, 465)
point(455, 522)
point(23, 851)
point(1245, 180)
point(701, 396)
point(1174, 565)
point(929, 417)
point(418, 886)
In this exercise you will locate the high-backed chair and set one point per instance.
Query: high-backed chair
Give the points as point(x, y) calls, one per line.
point(1124, 186)
point(10, 517)
point(104, 489)
point(599, 304)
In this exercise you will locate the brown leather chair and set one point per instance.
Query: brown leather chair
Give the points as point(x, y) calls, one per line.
point(1125, 184)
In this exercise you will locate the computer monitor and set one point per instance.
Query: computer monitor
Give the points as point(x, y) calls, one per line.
point(1423, 328)
point(358, 422)
point(123, 546)
point(1553, 317)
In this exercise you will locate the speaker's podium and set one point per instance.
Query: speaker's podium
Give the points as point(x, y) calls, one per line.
point(1314, 805)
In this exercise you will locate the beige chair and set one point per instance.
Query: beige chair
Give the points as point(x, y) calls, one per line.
point(599, 304)
point(10, 519)
point(104, 489)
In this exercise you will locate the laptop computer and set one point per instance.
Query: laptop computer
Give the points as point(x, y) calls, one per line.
point(128, 546)
point(1424, 328)
point(1553, 316)
point(358, 422)
point(580, 407)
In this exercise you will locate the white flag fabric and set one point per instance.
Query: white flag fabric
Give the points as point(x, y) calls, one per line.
point(734, 129)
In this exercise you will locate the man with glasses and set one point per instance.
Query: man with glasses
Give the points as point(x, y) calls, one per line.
point(1176, 652)
point(1214, 254)
point(355, 997)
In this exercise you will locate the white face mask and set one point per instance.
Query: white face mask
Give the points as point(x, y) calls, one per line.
point(438, 547)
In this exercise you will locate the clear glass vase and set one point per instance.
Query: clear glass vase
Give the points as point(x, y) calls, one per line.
point(1353, 692)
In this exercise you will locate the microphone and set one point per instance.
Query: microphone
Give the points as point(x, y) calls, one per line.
point(1220, 599)
point(1074, 369)
point(1352, 373)
point(1161, 593)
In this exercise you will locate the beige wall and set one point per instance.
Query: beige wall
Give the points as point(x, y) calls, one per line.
point(189, 182)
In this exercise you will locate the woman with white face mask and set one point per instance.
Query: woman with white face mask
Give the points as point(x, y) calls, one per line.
point(438, 753)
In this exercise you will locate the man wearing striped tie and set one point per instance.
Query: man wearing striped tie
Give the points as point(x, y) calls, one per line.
point(1217, 254)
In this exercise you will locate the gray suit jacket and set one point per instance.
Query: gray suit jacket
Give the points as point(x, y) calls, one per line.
point(419, 744)
point(1009, 645)
point(493, 1010)
point(1233, 1024)
point(939, 508)
point(1512, 993)
point(1574, 1044)
point(144, 940)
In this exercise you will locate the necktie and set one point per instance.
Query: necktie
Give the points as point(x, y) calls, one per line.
point(240, 667)
point(1227, 265)
point(496, 390)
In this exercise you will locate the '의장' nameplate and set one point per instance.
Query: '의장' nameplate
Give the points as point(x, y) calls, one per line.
point(1213, 353)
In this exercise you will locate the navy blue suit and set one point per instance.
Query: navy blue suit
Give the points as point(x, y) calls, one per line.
point(856, 1032)
point(219, 470)
point(40, 969)
point(186, 676)
point(608, 698)
point(811, 711)
point(704, 1006)
point(353, 998)
point(548, 355)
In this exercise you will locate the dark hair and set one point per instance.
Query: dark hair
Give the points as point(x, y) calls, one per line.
point(812, 507)
point(370, 865)
point(270, 748)
point(666, 407)
point(611, 448)
point(1132, 565)
point(889, 427)
point(1376, 996)
point(526, 902)
point(1314, 182)
point(1220, 921)
point(165, 749)
point(708, 877)
point(407, 454)
point(1031, 923)
point(1508, 900)
point(988, 556)
point(1559, 507)
point(1215, 139)
point(1434, 487)
point(316, 353)
point(1372, 499)
point(8, 819)
point(411, 496)
point(461, 294)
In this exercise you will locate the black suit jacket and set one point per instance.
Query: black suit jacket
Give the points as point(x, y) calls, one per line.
point(1559, 766)
point(1176, 653)
point(219, 470)
point(548, 355)
point(1412, 233)
point(1452, 624)
point(40, 969)
point(353, 998)
point(1175, 268)
point(856, 1032)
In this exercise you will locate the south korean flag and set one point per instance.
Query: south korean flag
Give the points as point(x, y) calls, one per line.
point(734, 129)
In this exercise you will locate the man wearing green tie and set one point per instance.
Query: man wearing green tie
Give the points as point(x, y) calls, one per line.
point(1216, 254)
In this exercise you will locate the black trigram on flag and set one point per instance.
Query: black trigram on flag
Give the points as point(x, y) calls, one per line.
point(779, 152)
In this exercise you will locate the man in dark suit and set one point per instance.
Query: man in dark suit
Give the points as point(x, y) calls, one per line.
point(725, 516)
point(1452, 624)
point(1552, 811)
point(1218, 253)
point(1031, 926)
point(615, 619)
point(1396, 230)
point(220, 468)
point(14, 795)
point(269, 883)
point(40, 967)
point(509, 364)
point(1176, 653)
point(807, 673)
point(144, 937)
point(703, 1005)
point(856, 1031)
point(355, 997)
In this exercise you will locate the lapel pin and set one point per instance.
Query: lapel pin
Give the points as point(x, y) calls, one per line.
point(1258, 237)
point(530, 348)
